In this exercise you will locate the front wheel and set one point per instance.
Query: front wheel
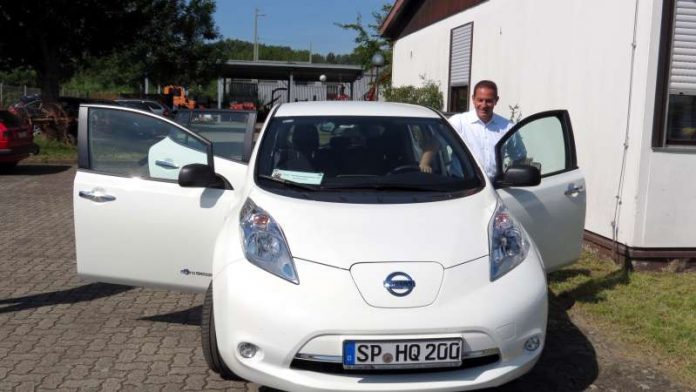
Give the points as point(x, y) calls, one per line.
point(209, 339)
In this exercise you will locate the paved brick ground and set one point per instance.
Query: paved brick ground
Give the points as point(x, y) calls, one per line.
point(58, 332)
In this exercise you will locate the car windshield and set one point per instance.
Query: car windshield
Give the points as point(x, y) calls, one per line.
point(225, 129)
point(374, 155)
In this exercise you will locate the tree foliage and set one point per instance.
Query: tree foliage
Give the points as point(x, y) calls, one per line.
point(234, 49)
point(368, 42)
point(165, 39)
point(20, 76)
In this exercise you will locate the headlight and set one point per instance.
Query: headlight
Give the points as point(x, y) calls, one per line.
point(264, 242)
point(508, 242)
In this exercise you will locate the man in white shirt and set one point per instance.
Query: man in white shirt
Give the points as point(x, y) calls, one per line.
point(481, 128)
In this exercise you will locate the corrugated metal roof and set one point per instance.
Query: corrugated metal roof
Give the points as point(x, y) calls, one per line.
point(281, 70)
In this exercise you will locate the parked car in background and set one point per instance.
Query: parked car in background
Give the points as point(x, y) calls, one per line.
point(329, 260)
point(134, 105)
point(153, 106)
point(225, 128)
point(16, 139)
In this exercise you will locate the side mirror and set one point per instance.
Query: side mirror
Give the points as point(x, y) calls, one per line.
point(198, 175)
point(519, 175)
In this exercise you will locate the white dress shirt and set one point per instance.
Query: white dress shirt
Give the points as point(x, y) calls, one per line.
point(481, 137)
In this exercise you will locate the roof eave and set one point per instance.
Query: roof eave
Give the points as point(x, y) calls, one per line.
point(389, 28)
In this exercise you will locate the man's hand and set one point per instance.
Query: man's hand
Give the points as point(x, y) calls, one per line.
point(425, 168)
point(425, 159)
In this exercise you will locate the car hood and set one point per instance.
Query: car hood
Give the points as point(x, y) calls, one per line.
point(340, 234)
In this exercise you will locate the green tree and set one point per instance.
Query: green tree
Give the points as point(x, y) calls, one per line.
point(163, 38)
point(368, 42)
point(19, 76)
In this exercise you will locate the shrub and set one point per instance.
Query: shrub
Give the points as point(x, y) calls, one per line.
point(428, 94)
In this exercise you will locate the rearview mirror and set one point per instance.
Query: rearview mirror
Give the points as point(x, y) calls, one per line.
point(198, 175)
point(519, 175)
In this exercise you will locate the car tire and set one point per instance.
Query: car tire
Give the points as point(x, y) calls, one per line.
point(209, 340)
point(8, 165)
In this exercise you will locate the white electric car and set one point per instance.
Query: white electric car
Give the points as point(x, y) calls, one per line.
point(331, 260)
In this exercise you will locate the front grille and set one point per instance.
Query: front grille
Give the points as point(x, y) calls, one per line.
point(337, 368)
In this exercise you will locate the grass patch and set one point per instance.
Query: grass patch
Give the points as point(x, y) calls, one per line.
point(52, 151)
point(653, 312)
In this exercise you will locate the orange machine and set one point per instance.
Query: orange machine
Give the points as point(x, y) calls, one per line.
point(179, 98)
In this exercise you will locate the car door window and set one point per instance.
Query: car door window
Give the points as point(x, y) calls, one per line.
point(228, 131)
point(540, 143)
point(129, 144)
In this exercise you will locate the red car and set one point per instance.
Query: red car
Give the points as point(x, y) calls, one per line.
point(16, 140)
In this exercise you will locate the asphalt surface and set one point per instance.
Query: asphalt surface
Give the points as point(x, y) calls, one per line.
point(59, 332)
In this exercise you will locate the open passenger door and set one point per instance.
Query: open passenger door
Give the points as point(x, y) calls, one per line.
point(134, 224)
point(552, 212)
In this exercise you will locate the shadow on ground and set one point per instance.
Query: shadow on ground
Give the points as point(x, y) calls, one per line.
point(33, 170)
point(568, 363)
point(78, 294)
point(190, 316)
point(593, 290)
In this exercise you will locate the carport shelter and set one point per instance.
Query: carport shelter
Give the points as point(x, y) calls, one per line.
point(286, 70)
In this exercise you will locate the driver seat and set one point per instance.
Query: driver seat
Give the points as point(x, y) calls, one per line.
point(304, 145)
point(396, 148)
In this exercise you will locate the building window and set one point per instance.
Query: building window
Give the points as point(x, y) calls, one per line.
point(461, 39)
point(459, 99)
point(675, 104)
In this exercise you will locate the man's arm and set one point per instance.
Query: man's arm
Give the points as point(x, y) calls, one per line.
point(515, 148)
point(425, 160)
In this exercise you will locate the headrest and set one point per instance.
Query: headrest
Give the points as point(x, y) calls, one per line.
point(339, 142)
point(305, 137)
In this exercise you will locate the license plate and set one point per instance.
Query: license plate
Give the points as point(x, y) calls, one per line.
point(402, 354)
point(22, 134)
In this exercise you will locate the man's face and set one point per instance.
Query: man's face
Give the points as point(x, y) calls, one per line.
point(484, 102)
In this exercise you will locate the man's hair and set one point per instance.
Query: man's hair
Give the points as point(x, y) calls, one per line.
point(486, 84)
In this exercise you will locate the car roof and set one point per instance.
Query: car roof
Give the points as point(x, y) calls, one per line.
point(354, 108)
point(213, 110)
point(135, 100)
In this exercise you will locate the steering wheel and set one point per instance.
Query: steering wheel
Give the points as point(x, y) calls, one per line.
point(404, 169)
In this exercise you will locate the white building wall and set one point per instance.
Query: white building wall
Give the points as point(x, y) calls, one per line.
point(572, 54)
point(667, 202)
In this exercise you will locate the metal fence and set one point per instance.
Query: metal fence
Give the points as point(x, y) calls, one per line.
point(267, 91)
point(10, 94)
point(263, 91)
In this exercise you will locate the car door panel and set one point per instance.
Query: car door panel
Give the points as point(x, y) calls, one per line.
point(152, 233)
point(554, 220)
point(553, 212)
point(145, 229)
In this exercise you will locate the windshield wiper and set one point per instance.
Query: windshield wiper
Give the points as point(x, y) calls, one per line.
point(386, 187)
point(306, 187)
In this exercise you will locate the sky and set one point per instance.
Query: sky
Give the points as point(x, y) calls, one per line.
point(296, 23)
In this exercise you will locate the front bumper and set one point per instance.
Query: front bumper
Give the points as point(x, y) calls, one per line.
point(311, 320)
